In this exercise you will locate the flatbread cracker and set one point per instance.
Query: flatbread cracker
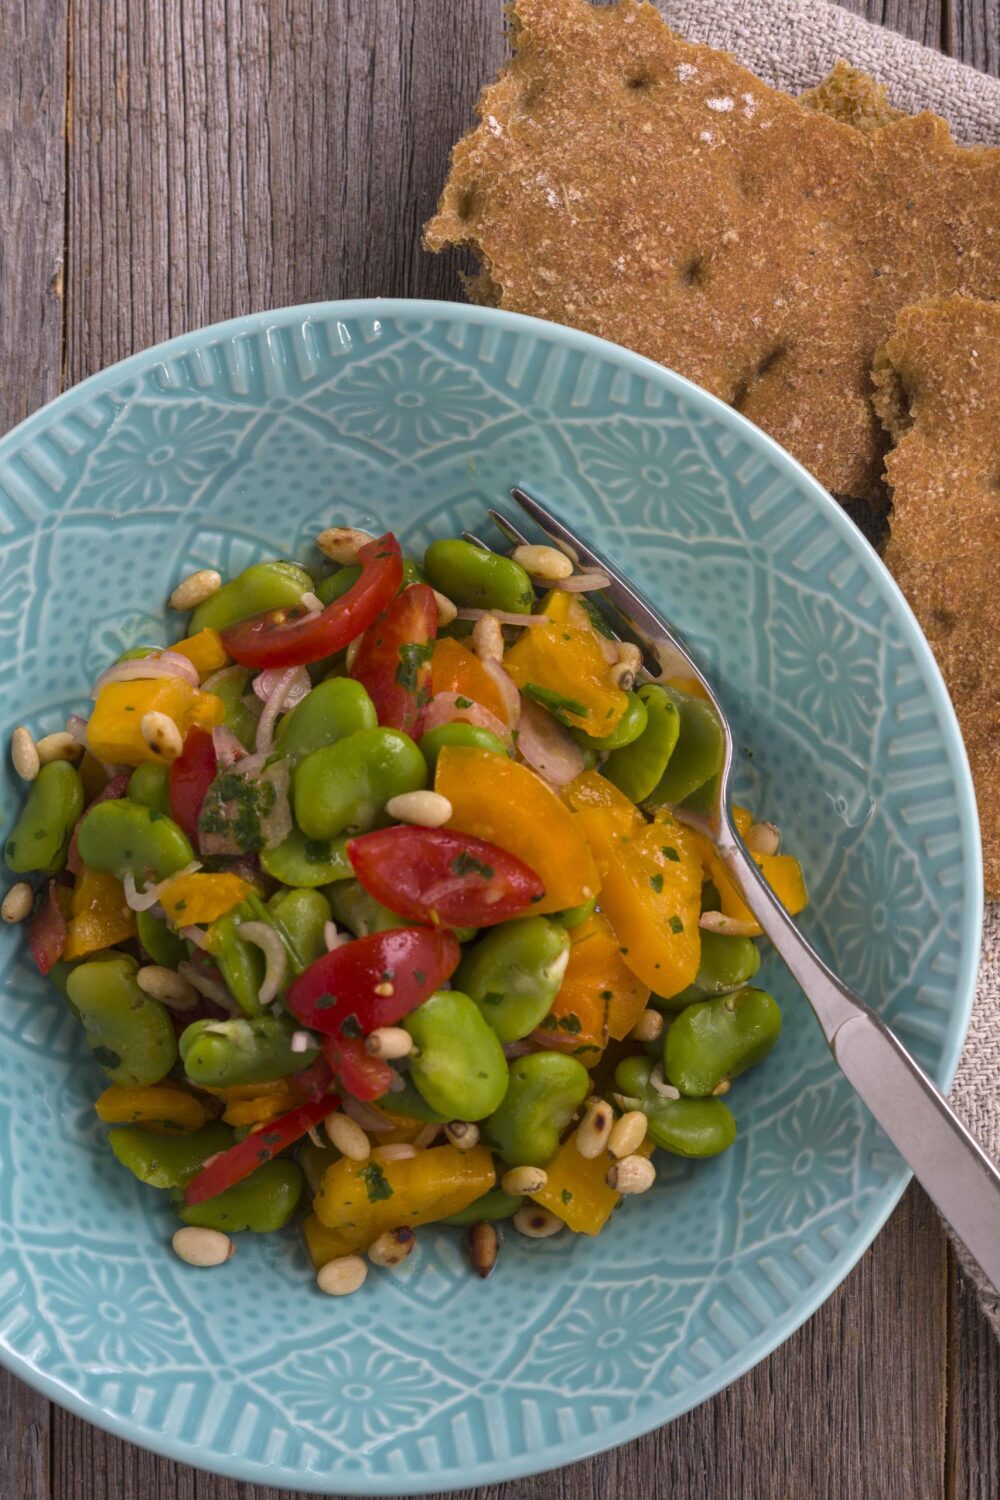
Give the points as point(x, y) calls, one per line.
point(852, 97)
point(654, 192)
point(937, 381)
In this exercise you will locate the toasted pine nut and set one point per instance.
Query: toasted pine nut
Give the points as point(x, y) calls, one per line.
point(161, 735)
point(394, 1151)
point(351, 654)
point(446, 610)
point(168, 987)
point(627, 1134)
point(622, 676)
point(348, 1137)
point(518, 1180)
point(536, 1222)
point(340, 1277)
point(633, 1174)
point(195, 589)
point(629, 655)
point(392, 1247)
point(764, 838)
point(545, 563)
point(648, 1028)
point(484, 1246)
point(341, 544)
point(388, 1041)
point(714, 921)
point(202, 1247)
point(18, 902)
point(594, 1129)
point(722, 1087)
point(58, 746)
point(24, 753)
point(423, 809)
point(487, 638)
point(462, 1134)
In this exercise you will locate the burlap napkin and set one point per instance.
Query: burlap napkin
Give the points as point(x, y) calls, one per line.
point(793, 44)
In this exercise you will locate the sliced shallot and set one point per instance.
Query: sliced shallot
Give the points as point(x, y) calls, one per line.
point(165, 664)
point(265, 683)
point(444, 709)
point(507, 688)
point(267, 940)
point(272, 708)
point(503, 617)
point(546, 746)
point(583, 583)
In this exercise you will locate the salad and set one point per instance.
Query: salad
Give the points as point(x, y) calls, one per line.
point(369, 898)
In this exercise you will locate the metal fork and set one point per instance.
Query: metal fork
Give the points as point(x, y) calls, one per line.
point(951, 1166)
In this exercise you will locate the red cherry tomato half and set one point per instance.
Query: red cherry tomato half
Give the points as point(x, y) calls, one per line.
point(365, 1077)
point(48, 930)
point(439, 876)
point(191, 775)
point(374, 981)
point(293, 637)
point(232, 1165)
point(394, 659)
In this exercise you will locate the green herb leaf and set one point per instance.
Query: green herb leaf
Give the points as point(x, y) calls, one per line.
point(375, 1182)
point(669, 852)
point(656, 881)
point(467, 864)
point(412, 656)
point(675, 924)
point(557, 704)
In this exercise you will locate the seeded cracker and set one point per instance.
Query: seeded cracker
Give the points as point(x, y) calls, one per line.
point(938, 392)
point(626, 182)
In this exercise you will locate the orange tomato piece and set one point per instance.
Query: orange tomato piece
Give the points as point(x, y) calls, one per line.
point(204, 651)
point(190, 900)
point(599, 996)
point(782, 872)
point(497, 799)
point(358, 1200)
point(456, 669)
point(565, 657)
point(261, 1109)
point(99, 914)
point(162, 1108)
point(576, 1190)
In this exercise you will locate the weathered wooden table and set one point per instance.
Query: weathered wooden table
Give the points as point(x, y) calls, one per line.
point(167, 163)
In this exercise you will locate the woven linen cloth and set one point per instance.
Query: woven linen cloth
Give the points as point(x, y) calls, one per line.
point(792, 44)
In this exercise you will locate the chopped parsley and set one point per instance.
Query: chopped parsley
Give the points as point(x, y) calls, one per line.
point(557, 704)
point(566, 1195)
point(413, 656)
point(463, 702)
point(420, 976)
point(375, 1182)
point(656, 881)
point(106, 1057)
point(607, 995)
point(669, 852)
point(675, 924)
point(351, 1026)
point(467, 864)
point(570, 1023)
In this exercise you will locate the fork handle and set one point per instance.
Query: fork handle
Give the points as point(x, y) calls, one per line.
point(955, 1172)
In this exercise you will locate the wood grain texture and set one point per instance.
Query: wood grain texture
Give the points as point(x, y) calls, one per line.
point(229, 155)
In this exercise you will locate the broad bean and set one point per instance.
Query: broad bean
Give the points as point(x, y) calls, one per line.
point(337, 583)
point(545, 1091)
point(227, 1054)
point(360, 913)
point(241, 963)
point(166, 1161)
point(457, 733)
point(513, 974)
point(628, 729)
point(40, 837)
point(333, 710)
point(409, 1102)
point(122, 837)
point(343, 788)
point(302, 861)
point(264, 585)
point(638, 768)
point(163, 946)
point(314, 1161)
point(727, 964)
point(575, 916)
point(477, 579)
point(232, 685)
point(715, 1040)
point(262, 1202)
point(697, 756)
point(686, 1127)
point(493, 1205)
point(458, 1065)
point(130, 1035)
point(303, 915)
point(149, 784)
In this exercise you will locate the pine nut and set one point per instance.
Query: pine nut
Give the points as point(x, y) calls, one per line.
point(594, 1129)
point(622, 676)
point(764, 838)
point(351, 654)
point(202, 1247)
point(446, 610)
point(341, 544)
point(167, 986)
point(545, 563)
point(392, 1247)
point(394, 1151)
point(195, 589)
point(633, 1174)
point(462, 1134)
point(161, 735)
point(484, 1247)
point(422, 809)
point(17, 903)
point(627, 1134)
point(629, 655)
point(519, 1180)
point(722, 1087)
point(348, 1137)
point(487, 638)
point(24, 754)
point(58, 746)
point(388, 1042)
point(648, 1028)
point(714, 921)
point(341, 1277)
point(536, 1222)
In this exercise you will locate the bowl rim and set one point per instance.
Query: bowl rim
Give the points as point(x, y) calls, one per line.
point(969, 937)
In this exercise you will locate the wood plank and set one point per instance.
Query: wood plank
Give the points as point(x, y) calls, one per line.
point(973, 34)
point(974, 1417)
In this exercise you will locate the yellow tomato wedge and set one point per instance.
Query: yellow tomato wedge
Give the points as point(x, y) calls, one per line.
point(100, 916)
point(782, 872)
point(190, 900)
point(162, 1108)
point(565, 661)
point(358, 1200)
point(576, 1190)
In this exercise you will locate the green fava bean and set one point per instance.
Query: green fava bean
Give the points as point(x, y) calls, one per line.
point(264, 585)
point(149, 784)
point(407, 1101)
point(476, 579)
point(697, 756)
point(163, 946)
point(458, 1065)
point(40, 837)
point(513, 974)
point(545, 1091)
point(492, 1206)
point(130, 1034)
point(314, 1161)
point(333, 710)
point(264, 1201)
point(628, 729)
point(122, 837)
point(343, 788)
point(638, 768)
point(167, 1161)
point(575, 916)
point(686, 1127)
point(301, 861)
point(241, 963)
point(469, 735)
point(715, 1040)
point(225, 1054)
point(303, 914)
point(231, 685)
point(360, 913)
point(337, 583)
point(727, 964)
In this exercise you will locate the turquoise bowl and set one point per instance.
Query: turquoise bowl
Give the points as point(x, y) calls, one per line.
point(242, 441)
